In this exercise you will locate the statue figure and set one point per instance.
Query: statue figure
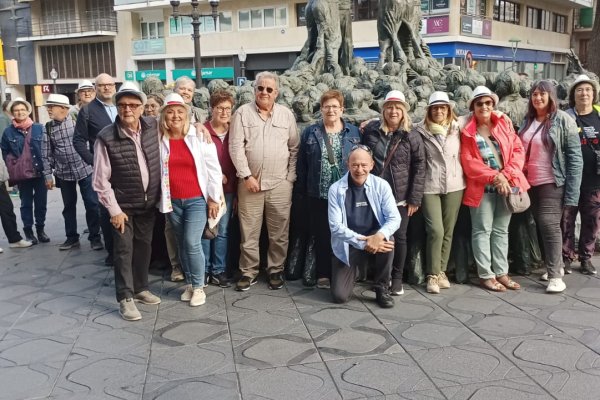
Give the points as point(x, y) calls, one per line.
point(357, 102)
point(397, 24)
point(152, 85)
point(574, 66)
point(322, 46)
point(511, 103)
point(346, 47)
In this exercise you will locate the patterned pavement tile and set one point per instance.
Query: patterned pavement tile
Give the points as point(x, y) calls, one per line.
point(52, 350)
point(186, 362)
point(516, 388)
point(297, 382)
point(571, 385)
point(249, 324)
point(378, 375)
point(218, 387)
point(462, 365)
point(419, 335)
point(27, 381)
point(537, 355)
point(274, 351)
point(193, 331)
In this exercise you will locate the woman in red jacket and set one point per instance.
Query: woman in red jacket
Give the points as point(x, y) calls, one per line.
point(492, 158)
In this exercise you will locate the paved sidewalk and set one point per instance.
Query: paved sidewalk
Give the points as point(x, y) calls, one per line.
point(61, 337)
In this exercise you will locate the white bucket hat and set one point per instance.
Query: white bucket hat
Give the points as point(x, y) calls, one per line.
point(482, 91)
point(58, 100)
point(396, 96)
point(439, 98)
point(578, 81)
point(174, 99)
point(129, 89)
point(20, 100)
point(84, 84)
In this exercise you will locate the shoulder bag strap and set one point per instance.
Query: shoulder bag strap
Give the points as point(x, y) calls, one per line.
point(528, 152)
point(389, 156)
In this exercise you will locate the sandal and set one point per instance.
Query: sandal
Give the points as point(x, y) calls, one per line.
point(508, 283)
point(492, 284)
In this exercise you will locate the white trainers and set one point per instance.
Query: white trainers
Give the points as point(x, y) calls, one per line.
point(544, 276)
point(128, 310)
point(20, 244)
point(1, 250)
point(198, 297)
point(187, 293)
point(556, 285)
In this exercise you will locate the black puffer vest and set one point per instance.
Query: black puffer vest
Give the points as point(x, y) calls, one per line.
point(126, 179)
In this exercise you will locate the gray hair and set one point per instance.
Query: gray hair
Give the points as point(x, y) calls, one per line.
point(183, 80)
point(267, 75)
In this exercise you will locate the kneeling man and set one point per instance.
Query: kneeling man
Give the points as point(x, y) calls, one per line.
point(363, 216)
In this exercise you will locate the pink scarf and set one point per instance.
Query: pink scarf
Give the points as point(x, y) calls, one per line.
point(23, 125)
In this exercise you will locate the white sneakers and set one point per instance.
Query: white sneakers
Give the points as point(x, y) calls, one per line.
point(187, 293)
point(196, 297)
point(556, 285)
point(21, 244)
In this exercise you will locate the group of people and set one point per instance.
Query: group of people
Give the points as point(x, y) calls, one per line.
point(132, 153)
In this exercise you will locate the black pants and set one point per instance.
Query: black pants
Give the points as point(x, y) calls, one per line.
point(7, 216)
point(547, 208)
point(132, 251)
point(107, 229)
point(319, 228)
point(400, 247)
point(343, 276)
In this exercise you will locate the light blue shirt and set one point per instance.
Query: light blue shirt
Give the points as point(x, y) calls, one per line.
point(383, 204)
point(110, 109)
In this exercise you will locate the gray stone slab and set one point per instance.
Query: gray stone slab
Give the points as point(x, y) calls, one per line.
point(39, 350)
point(298, 382)
point(186, 362)
point(249, 324)
point(195, 331)
point(462, 365)
point(217, 387)
point(548, 354)
point(378, 375)
point(274, 351)
point(366, 340)
point(27, 381)
point(251, 301)
point(571, 385)
point(516, 388)
point(418, 335)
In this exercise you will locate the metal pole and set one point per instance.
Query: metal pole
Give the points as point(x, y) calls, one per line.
point(197, 58)
point(54, 86)
point(243, 68)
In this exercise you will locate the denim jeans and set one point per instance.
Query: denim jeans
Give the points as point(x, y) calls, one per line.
point(68, 190)
point(33, 193)
point(490, 236)
point(189, 219)
point(215, 251)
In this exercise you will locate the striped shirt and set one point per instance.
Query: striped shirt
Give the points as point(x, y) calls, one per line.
point(59, 154)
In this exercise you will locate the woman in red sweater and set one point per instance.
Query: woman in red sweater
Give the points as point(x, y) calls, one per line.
point(191, 186)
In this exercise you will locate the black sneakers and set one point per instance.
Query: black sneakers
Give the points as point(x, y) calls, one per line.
point(68, 244)
point(275, 281)
point(108, 261)
point(42, 237)
point(383, 298)
point(220, 280)
point(587, 268)
point(30, 236)
point(397, 288)
point(244, 283)
point(96, 244)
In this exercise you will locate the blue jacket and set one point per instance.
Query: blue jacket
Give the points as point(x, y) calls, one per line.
point(13, 142)
point(382, 203)
point(567, 161)
point(308, 166)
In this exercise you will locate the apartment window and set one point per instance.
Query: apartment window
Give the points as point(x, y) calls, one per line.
point(150, 65)
point(183, 25)
point(539, 19)
point(507, 11)
point(301, 14)
point(58, 17)
point(262, 18)
point(473, 7)
point(365, 9)
point(79, 61)
point(152, 30)
point(560, 23)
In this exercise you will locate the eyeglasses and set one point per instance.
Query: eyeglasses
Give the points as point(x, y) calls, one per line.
point(488, 103)
point(263, 88)
point(584, 90)
point(105, 85)
point(331, 108)
point(224, 110)
point(132, 107)
point(361, 147)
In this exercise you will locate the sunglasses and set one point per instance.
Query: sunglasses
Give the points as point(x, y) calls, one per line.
point(263, 88)
point(488, 103)
point(361, 147)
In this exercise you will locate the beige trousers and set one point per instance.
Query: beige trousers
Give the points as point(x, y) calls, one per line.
point(274, 205)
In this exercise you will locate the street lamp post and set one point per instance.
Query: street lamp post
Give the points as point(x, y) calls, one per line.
point(242, 57)
point(54, 77)
point(514, 45)
point(195, 16)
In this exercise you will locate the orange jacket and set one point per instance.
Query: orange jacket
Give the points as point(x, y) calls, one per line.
point(477, 173)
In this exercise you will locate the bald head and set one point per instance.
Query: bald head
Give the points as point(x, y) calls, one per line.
point(105, 88)
point(360, 164)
